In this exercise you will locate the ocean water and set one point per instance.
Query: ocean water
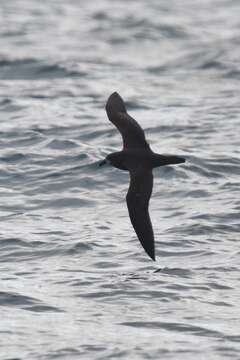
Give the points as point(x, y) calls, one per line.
point(75, 282)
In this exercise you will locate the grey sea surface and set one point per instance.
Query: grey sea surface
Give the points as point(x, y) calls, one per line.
point(75, 281)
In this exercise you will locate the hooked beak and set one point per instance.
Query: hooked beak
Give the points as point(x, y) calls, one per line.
point(103, 162)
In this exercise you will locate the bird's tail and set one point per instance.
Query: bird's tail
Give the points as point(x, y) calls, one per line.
point(162, 160)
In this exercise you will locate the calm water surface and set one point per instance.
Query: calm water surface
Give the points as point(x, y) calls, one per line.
point(75, 282)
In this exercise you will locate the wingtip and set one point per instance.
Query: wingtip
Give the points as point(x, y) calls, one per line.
point(115, 93)
point(152, 256)
point(150, 250)
point(115, 103)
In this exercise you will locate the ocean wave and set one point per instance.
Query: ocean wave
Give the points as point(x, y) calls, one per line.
point(32, 69)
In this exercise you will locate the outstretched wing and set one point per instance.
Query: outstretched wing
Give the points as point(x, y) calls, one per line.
point(132, 133)
point(138, 196)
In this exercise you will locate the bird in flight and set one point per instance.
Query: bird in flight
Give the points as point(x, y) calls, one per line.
point(137, 158)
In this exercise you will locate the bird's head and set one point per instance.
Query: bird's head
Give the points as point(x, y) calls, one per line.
point(115, 159)
point(106, 161)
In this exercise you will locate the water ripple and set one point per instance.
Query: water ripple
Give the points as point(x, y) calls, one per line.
point(75, 282)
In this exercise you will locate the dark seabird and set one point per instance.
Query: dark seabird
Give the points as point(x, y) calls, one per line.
point(137, 158)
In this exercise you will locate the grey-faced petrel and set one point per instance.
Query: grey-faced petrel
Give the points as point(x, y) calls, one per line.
point(137, 158)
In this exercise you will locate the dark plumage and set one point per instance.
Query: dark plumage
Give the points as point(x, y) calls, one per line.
point(137, 158)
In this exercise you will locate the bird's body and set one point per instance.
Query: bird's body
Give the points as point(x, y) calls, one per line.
point(137, 158)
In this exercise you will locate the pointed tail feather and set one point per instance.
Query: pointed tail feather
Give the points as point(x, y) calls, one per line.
point(161, 160)
point(173, 159)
